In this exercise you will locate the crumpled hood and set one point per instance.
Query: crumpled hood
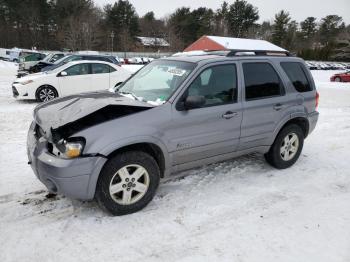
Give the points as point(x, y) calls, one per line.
point(80, 111)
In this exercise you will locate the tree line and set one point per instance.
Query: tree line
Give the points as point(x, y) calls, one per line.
point(81, 25)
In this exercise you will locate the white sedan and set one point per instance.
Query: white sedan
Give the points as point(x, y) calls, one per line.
point(71, 78)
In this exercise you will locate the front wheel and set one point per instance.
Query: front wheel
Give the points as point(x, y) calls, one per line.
point(337, 79)
point(287, 147)
point(127, 183)
point(46, 93)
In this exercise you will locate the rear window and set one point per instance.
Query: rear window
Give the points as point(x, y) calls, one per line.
point(297, 76)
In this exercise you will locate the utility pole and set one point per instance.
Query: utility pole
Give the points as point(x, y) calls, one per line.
point(112, 36)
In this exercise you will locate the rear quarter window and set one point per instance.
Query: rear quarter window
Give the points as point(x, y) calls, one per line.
point(296, 74)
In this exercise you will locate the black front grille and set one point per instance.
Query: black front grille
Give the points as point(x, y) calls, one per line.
point(50, 147)
point(14, 91)
point(39, 132)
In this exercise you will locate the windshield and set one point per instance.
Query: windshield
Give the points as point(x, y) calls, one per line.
point(157, 81)
point(62, 61)
point(47, 58)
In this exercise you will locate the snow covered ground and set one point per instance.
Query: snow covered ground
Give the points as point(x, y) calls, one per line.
point(240, 210)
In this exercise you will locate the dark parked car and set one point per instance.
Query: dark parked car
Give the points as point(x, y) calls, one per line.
point(45, 66)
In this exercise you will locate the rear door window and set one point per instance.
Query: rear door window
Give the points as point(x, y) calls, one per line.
point(261, 81)
point(297, 76)
point(101, 69)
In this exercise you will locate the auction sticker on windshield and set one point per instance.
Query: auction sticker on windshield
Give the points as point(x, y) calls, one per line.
point(177, 71)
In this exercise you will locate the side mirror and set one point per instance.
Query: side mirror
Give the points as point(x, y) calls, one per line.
point(118, 84)
point(116, 87)
point(193, 102)
point(63, 73)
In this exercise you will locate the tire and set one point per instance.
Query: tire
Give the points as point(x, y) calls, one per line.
point(337, 79)
point(287, 147)
point(46, 93)
point(126, 198)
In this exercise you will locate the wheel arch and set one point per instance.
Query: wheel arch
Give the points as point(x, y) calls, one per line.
point(148, 147)
point(301, 121)
point(339, 77)
point(156, 150)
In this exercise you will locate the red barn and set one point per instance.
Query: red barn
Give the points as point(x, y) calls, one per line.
point(219, 43)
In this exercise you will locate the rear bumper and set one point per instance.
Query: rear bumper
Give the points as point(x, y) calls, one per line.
point(313, 118)
point(74, 178)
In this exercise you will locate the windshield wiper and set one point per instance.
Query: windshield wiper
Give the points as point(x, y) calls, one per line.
point(133, 95)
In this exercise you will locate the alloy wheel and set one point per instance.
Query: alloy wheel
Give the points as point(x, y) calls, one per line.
point(46, 94)
point(289, 147)
point(129, 184)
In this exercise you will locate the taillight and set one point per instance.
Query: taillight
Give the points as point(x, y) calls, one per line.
point(317, 98)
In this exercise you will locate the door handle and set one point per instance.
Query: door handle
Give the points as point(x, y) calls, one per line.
point(229, 114)
point(278, 107)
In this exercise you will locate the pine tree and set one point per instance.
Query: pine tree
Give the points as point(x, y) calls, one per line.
point(220, 20)
point(308, 28)
point(240, 17)
point(122, 19)
point(280, 28)
point(330, 27)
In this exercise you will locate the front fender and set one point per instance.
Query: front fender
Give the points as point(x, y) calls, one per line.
point(113, 146)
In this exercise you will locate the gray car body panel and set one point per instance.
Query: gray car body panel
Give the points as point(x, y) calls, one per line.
point(187, 139)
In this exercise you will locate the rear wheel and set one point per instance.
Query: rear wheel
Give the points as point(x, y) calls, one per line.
point(337, 79)
point(287, 147)
point(127, 183)
point(46, 93)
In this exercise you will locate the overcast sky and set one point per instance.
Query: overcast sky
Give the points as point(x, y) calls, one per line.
point(299, 9)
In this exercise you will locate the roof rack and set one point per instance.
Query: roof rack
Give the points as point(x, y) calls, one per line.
point(234, 52)
point(244, 52)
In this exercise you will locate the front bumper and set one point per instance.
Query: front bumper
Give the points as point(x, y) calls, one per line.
point(75, 178)
point(21, 92)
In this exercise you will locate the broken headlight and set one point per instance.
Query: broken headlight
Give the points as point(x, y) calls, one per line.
point(72, 147)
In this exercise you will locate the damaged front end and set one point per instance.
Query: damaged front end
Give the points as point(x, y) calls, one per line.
point(102, 115)
point(60, 119)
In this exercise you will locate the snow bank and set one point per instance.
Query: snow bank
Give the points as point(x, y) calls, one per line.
point(8, 69)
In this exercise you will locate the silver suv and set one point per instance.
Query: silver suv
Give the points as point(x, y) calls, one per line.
point(172, 115)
